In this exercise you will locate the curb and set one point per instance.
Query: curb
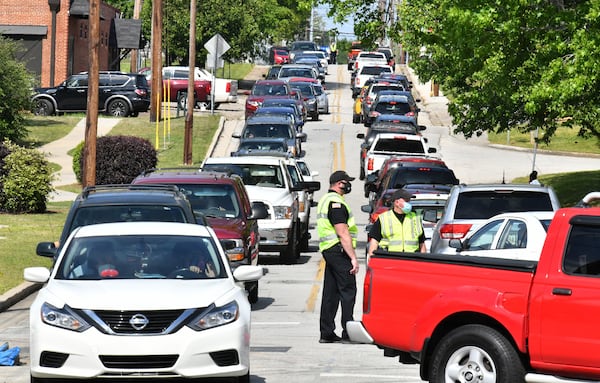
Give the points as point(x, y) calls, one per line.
point(17, 294)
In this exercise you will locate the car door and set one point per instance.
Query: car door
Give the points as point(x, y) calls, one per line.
point(73, 95)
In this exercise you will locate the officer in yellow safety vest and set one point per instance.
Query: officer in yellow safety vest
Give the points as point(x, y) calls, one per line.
point(398, 229)
point(337, 241)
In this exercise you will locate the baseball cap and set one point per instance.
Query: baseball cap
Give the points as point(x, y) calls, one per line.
point(339, 175)
point(401, 193)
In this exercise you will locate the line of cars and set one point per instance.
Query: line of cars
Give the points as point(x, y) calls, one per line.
point(477, 220)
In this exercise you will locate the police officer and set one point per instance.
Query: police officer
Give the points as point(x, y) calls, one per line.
point(398, 229)
point(337, 241)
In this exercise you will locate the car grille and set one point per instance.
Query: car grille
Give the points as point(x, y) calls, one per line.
point(124, 322)
point(138, 362)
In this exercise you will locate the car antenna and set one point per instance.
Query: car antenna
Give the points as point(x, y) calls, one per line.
point(503, 180)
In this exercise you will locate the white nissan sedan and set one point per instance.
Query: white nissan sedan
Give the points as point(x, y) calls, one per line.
point(141, 299)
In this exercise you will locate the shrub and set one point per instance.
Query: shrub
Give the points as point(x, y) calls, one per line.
point(119, 159)
point(77, 154)
point(15, 91)
point(25, 179)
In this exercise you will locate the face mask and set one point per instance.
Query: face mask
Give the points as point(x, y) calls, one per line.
point(407, 208)
point(347, 188)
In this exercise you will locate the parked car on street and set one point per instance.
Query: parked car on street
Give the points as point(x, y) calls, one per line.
point(141, 298)
point(310, 97)
point(120, 95)
point(289, 110)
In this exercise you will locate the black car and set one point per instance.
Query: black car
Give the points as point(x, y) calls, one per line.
point(310, 97)
point(120, 203)
point(120, 95)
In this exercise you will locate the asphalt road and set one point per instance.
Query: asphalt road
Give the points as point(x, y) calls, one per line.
point(285, 331)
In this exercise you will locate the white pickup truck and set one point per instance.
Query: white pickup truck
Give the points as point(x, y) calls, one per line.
point(386, 145)
point(225, 90)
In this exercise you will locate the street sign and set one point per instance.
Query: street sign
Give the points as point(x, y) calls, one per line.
point(217, 45)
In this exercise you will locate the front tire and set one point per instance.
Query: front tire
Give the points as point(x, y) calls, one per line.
point(252, 288)
point(42, 107)
point(477, 354)
point(118, 108)
point(291, 253)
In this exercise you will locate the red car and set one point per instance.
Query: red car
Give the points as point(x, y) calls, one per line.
point(265, 89)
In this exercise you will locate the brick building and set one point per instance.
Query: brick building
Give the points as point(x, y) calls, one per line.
point(55, 33)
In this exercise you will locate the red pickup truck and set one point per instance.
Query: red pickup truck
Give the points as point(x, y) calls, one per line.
point(475, 319)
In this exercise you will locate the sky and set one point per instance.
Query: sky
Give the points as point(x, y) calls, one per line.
point(346, 30)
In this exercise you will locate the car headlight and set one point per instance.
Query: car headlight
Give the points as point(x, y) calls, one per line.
point(215, 317)
point(283, 212)
point(64, 318)
point(311, 101)
point(234, 248)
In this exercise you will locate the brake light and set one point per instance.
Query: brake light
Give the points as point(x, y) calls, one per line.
point(228, 87)
point(400, 138)
point(141, 92)
point(367, 290)
point(410, 114)
point(370, 164)
point(454, 230)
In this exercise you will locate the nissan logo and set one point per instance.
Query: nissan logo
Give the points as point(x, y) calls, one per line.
point(139, 321)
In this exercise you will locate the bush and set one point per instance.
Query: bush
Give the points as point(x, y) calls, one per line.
point(77, 160)
point(15, 91)
point(119, 159)
point(25, 178)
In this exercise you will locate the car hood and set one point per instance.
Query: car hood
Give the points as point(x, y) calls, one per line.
point(136, 294)
point(272, 196)
point(44, 90)
point(226, 228)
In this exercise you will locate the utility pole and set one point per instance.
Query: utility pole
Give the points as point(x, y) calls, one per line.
point(137, 5)
point(157, 88)
point(91, 121)
point(189, 116)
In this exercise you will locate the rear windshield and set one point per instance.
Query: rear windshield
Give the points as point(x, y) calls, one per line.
point(399, 145)
point(90, 215)
point(392, 107)
point(485, 204)
point(422, 175)
point(375, 70)
point(212, 200)
point(267, 130)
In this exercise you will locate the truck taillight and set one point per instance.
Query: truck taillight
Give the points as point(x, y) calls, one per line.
point(454, 230)
point(228, 87)
point(370, 164)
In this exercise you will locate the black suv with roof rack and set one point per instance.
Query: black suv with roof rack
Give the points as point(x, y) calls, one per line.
point(120, 95)
point(119, 203)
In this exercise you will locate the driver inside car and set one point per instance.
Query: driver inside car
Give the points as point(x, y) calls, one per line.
point(193, 257)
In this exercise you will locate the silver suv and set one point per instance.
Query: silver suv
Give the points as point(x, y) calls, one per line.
point(468, 206)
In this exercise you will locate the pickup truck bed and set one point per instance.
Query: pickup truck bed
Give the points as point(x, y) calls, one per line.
point(479, 319)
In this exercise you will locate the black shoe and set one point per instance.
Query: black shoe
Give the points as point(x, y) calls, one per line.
point(330, 339)
point(346, 340)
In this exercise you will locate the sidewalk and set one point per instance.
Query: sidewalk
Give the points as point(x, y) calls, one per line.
point(57, 153)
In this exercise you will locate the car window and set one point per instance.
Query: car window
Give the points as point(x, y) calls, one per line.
point(104, 80)
point(119, 80)
point(514, 235)
point(401, 177)
point(135, 256)
point(483, 238)
point(294, 174)
point(77, 81)
point(399, 145)
point(212, 200)
point(488, 203)
point(582, 253)
point(89, 215)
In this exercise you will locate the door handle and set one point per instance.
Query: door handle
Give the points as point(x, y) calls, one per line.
point(561, 291)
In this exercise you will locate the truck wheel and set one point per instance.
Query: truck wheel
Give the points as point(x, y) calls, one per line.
point(118, 108)
point(290, 254)
point(42, 107)
point(477, 354)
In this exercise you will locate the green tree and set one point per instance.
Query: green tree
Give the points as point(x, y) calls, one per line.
point(15, 92)
point(509, 64)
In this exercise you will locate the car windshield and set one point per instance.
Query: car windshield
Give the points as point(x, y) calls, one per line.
point(90, 215)
point(141, 257)
point(486, 204)
point(392, 107)
point(267, 130)
point(269, 90)
point(212, 200)
point(263, 146)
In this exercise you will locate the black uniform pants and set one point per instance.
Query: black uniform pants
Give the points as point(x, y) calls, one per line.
point(339, 286)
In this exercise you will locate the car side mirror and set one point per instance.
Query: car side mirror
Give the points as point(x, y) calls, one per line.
point(361, 136)
point(456, 244)
point(46, 249)
point(259, 210)
point(432, 150)
point(366, 209)
point(311, 186)
point(430, 215)
point(421, 128)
